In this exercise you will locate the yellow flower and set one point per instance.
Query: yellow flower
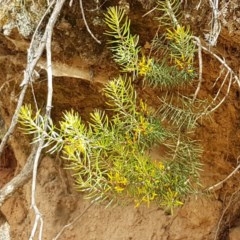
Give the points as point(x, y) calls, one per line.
point(119, 182)
point(119, 189)
point(144, 107)
point(161, 166)
point(179, 63)
point(144, 66)
point(178, 35)
point(137, 203)
point(148, 198)
point(190, 70)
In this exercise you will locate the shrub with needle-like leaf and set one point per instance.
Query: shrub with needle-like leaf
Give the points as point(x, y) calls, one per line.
point(171, 69)
point(182, 48)
point(124, 45)
point(167, 76)
point(174, 68)
point(110, 156)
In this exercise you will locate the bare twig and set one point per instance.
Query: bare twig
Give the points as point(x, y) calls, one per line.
point(70, 3)
point(14, 120)
point(219, 76)
point(97, 8)
point(73, 222)
point(171, 13)
point(222, 61)
point(38, 216)
point(86, 24)
point(212, 188)
point(34, 97)
point(19, 180)
point(48, 33)
point(200, 67)
point(223, 213)
point(229, 75)
point(150, 11)
point(4, 2)
point(216, 26)
point(199, 4)
point(34, 55)
point(36, 32)
point(5, 84)
point(225, 96)
point(49, 70)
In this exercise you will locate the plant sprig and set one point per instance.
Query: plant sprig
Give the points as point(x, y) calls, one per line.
point(124, 45)
point(110, 156)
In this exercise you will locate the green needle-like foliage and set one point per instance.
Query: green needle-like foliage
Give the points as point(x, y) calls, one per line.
point(174, 68)
point(169, 12)
point(182, 48)
point(124, 44)
point(183, 113)
point(167, 76)
point(110, 156)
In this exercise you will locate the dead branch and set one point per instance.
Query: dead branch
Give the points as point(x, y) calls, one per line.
point(199, 4)
point(230, 74)
point(222, 61)
point(49, 70)
point(150, 11)
point(200, 67)
point(38, 216)
point(72, 223)
point(219, 184)
point(216, 26)
point(18, 181)
point(223, 213)
point(34, 53)
point(48, 32)
point(4, 2)
point(14, 120)
point(224, 98)
point(85, 22)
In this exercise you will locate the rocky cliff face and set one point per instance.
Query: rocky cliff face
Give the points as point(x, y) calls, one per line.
point(81, 67)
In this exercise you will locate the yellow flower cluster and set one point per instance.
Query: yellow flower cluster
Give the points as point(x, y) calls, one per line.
point(148, 198)
point(118, 181)
point(183, 51)
point(144, 66)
